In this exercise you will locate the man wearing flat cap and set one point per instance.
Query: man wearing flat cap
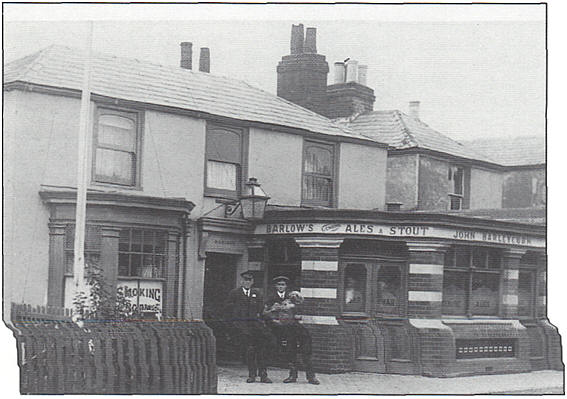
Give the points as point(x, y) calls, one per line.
point(280, 311)
point(244, 310)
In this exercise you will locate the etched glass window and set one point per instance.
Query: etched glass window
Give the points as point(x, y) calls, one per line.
point(388, 284)
point(471, 281)
point(355, 288)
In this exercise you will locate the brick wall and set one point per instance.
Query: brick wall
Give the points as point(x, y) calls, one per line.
point(333, 348)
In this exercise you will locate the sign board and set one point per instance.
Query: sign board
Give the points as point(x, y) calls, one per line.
point(404, 231)
point(144, 296)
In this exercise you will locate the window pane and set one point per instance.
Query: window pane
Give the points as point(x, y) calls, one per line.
point(455, 287)
point(221, 175)
point(355, 288)
point(525, 294)
point(223, 145)
point(318, 160)
point(389, 284)
point(316, 188)
point(115, 166)
point(458, 181)
point(484, 297)
point(141, 253)
point(117, 131)
point(479, 257)
point(463, 257)
point(123, 264)
point(494, 258)
point(136, 243)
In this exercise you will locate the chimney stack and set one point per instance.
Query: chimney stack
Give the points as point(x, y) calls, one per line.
point(349, 95)
point(310, 45)
point(296, 44)
point(414, 109)
point(351, 71)
point(302, 75)
point(186, 55)
point(362, 70)
point(339, 72)
point(205, 60)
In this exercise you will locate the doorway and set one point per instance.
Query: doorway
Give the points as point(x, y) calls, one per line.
point(220, 278)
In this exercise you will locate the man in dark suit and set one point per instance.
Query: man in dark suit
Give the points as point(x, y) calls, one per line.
point(244, 309)
point(280, 311)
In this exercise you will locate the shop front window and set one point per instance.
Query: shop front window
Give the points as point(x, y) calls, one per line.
point(373, 287)
point(388, 283)
point(471, 281)
point(355, 288)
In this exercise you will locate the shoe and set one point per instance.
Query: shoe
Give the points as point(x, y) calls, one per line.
point(265, 380)
point(290, 379)
point(251, 379)
point(313, 381)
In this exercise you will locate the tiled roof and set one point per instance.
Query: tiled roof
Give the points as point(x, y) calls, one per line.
point(402, 131)
point(130, 79)
point(513, 151)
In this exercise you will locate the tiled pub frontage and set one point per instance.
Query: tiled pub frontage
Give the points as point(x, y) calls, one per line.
point(413, 293)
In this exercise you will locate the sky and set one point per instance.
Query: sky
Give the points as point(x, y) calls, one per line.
point(478, 72)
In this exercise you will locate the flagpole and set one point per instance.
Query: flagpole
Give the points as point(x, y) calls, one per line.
point(82, 171)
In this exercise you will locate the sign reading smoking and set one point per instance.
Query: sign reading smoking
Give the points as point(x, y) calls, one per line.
point(143, 296)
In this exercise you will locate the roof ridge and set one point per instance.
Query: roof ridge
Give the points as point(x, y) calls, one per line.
point(34, 57)
point(467, 147)
point(411, 139)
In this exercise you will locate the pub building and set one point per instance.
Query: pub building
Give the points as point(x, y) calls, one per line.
point(196, 178)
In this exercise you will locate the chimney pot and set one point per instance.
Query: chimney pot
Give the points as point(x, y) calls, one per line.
point(186, 61)
point(205, 60)
point(362, 71)
point(352, 71)
point(414, 109)
point(296, 45)
point(310, 45)
point(339, 72)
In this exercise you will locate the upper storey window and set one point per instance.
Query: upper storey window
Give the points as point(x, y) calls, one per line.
point(225, 161)
point(318, 174)
point(117, 147)
point(456, 187)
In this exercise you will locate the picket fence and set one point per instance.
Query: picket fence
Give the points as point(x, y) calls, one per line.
point(59, 356)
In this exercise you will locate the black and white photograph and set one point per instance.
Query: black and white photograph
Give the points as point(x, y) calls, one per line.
point(283, 199)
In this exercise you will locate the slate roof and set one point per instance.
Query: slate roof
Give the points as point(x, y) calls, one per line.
point(513, 151)
point(402, 131)
point(134, 80)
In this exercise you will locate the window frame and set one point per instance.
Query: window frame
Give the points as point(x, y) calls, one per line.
point(137, 117)
point(241, 169)
point(144, 230)
point(334, 147)
point(465, 184)
point(372, 266)
point(470, 271)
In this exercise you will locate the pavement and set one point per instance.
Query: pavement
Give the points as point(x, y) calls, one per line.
point(232, 380)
